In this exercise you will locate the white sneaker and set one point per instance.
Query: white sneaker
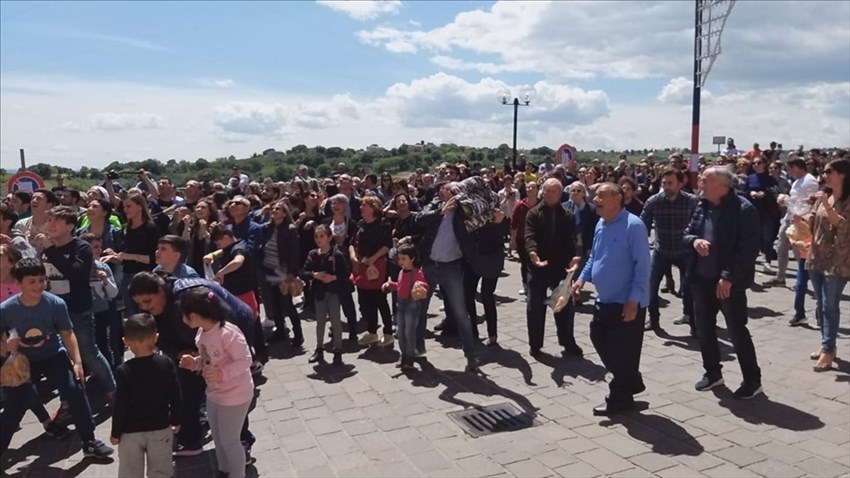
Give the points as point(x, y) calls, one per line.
point(521, 292)
point(387, 341)
point(368, 339)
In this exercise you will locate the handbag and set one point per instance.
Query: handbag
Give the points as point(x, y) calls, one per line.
point(373, 280)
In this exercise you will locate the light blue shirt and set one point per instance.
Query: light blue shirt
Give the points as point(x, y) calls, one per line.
point(446, 248)
point(619, 261)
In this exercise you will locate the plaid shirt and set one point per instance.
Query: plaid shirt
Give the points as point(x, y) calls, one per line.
point(670, 219)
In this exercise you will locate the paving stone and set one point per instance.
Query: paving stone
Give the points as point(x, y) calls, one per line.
point(578, 470)
point(729, 471)
point(821, 467)
point(783, 453)
point(530, 468)
point(774, 469)
point(740, 456)
point(479, 465)
point(679, 471)
point(652, 462)
point(605, 461)
point(824, 449)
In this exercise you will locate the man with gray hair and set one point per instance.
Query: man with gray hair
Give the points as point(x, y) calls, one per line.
point(550, 241)
point(724, 234)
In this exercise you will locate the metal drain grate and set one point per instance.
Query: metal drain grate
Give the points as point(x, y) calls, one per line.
point(503, 417)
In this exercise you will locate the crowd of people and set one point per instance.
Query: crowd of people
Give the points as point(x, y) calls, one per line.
point(178, 277)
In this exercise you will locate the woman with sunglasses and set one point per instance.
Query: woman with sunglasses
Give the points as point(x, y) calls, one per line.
point(829, 257)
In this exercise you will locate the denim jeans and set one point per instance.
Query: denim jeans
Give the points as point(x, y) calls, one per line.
point(800, 288)
point(661, 265)
point(407, 318)
point(828, 296)
point(734, 308)
point(93, 361)
point(449, 277)
point(108, 332)
point(59, 373)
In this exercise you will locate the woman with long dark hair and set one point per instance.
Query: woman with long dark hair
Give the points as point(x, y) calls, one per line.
point(829, 256)
point(138, 250)
point(198, 238)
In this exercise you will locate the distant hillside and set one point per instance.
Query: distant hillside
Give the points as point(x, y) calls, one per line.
point(280, 165)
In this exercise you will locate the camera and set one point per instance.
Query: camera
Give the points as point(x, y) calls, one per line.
point(111, 174)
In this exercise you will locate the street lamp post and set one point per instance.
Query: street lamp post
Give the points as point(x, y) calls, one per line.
point(504, 98)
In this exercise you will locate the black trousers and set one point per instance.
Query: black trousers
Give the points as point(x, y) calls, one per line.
point(706, 307)
point(488, 300)
point(371, 303)
point(618, 344)
point(540, 280)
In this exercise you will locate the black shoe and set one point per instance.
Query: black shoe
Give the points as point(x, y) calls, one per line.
point(799, 319)
point(337, 357)
point(747, 391)
point(448, 332)
point(651, 325)
point(472, 365)
point(572, 349)
point(318, 356)
point(297, 341)
point(96, 449)
point(606, 409)
point(707, 383)
point(536, 353)
point(440, 326)
point(279, 335)
point(640, 388)
point(56, 430)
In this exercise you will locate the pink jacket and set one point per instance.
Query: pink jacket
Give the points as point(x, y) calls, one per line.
point(224, 347)
point(404, 285)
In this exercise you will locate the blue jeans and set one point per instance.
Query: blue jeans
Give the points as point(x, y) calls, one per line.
point(59, 373)
point(800, 288)
point(93, 361)
point(661, 265)
point(109, 328)
point(407, 318)
point(449, 277)
point(828, 296)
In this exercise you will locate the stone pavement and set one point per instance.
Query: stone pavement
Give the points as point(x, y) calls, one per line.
point(370, 420)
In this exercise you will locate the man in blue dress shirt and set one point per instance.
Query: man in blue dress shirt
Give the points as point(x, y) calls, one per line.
point(619, 268)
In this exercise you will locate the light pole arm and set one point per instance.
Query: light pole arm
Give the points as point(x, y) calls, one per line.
point(516, 110)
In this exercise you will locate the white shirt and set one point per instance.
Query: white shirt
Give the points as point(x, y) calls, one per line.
point(801, 190)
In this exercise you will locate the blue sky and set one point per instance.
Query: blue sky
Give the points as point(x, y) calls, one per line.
point(97, 81)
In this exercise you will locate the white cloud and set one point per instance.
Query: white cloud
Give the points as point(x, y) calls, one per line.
point(680, 90)
point(68, 125)
point(363, 9)
point(632, 40)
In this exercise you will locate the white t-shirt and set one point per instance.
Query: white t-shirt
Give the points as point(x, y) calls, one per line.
point(801, 190)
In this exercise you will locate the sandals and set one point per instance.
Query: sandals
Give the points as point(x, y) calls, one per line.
point(816, 355)
point(824, 362)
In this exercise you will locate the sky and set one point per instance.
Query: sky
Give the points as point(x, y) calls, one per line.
point(88, 83)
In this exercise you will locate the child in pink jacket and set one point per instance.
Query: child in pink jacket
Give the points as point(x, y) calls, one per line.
point(225, 362)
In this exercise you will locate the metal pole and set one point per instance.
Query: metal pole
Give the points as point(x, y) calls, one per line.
point(23, 160)
point(696, 105)
point(516, 109)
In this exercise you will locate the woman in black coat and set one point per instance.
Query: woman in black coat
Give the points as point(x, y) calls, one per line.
point(485, 265)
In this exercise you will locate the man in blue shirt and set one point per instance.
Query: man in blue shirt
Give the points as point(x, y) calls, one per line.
point(619, 269)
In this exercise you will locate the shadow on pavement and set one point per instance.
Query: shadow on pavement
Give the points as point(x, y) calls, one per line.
point(509, 359)
point(761, 312)
point(666, 436)
point(573, 367)
point(456, 383)
point(692, 343)
point(329, 373)
point(380, 355)
point(762, 410)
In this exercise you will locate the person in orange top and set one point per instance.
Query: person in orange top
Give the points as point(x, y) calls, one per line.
point(753, 153)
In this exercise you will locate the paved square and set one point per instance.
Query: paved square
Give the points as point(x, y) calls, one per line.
point(369, 419)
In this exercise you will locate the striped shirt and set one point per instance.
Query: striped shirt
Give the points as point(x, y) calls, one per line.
point(670, 219)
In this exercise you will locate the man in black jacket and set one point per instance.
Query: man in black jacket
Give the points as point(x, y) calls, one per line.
point(550, 232)
point(724, 234)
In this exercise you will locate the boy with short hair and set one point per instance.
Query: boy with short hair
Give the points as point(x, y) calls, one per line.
point(170, 252)
point(68, 261)
point(147, 404)
point(39, 319)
